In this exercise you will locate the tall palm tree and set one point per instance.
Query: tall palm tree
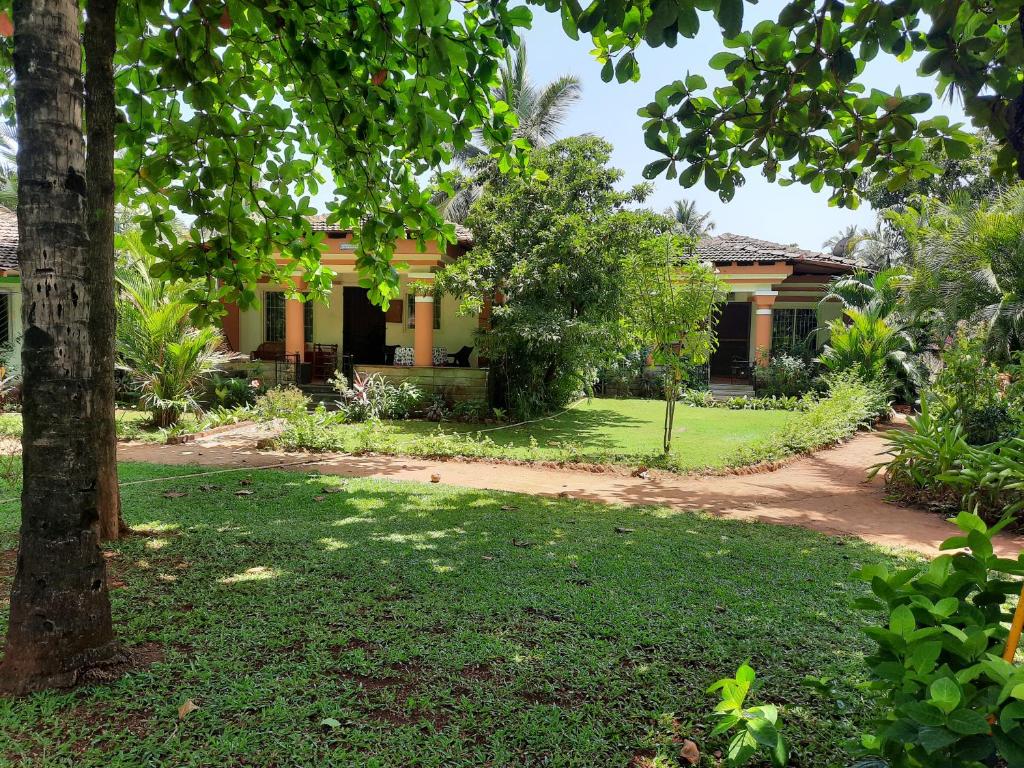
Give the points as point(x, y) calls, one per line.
point(167, 359)
point(976, 260)
point(844, 243)
point(542, 110)
point(688, 221)
point(877, 294)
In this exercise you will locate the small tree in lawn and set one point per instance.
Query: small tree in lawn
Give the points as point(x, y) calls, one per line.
point(674, 302)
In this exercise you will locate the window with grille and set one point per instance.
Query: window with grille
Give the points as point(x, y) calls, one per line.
point(410, 311)
point(273, 316)
point(794, 328)
point(307, 320)
point(5, 318)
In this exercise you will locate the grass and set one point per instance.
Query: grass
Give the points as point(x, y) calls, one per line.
point(131, 425)
point(595, 431)
point(385, 624)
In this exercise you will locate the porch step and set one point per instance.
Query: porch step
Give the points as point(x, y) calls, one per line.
point(320, 392)
point(728, 391)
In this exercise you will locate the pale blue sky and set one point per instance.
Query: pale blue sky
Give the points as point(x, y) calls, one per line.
point(792, 214)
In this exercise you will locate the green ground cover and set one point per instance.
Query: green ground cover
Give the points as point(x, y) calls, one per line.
point(315, 621)
point(600, 430)
point(131, 425)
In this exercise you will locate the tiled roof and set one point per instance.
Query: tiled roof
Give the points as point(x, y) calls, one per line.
point(319, 223)
point(8, 240)
point(727, 248)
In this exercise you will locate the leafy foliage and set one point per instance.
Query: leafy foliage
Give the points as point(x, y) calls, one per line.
point(850, 403)
point(757, 726)
point(539, 110)
point(372, 397)
point(951, 699)
point(862, 342)
point(671, 308)
point(794, 102)
point(971, 267)
point(784, 376)
point(167, 360)
point(549, 256)
point(234, 114)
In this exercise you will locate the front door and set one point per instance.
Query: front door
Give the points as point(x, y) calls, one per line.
point(362, 332)
point(733, 339)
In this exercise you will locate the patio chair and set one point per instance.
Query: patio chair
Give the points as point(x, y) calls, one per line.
point(389, 353)
point(460, 359)
point(325, 361)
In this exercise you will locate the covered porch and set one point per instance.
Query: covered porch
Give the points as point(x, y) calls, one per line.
point(293, 340)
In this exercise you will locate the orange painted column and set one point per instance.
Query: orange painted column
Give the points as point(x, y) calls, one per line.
point(423, 341)
point(294, 328)
point(763, 301)
point(231, 324)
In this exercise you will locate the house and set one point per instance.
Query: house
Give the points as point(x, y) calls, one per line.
point(419, 338)
point(10, 286)
point(774, 298)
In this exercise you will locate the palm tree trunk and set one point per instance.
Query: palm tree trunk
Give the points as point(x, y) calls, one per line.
point(60, 608)
point(100, 36)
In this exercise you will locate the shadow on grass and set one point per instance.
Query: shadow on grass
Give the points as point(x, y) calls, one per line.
point(315, 620)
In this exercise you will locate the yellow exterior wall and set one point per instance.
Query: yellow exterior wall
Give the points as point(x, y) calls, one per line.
point(455, 332)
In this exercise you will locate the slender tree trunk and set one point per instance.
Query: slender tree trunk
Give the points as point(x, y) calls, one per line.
point(60, 608)
point(100, 37)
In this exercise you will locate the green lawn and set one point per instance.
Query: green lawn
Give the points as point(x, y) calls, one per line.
point(433, 626)
point(598, 430)
point(131, 425)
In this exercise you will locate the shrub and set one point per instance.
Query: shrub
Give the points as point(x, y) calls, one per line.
point(850, 403)
point(697, 398)
point(784, 376)
point(438, 408)
point(374, 397)
point(922, 457)
point(756, 727)
point(971, 389)
point(234, 391)
point(471, 411)
point(311, 431)
point(950, 699)
point(287, 403)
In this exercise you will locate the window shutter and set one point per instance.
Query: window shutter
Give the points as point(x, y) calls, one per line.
point(394, 313)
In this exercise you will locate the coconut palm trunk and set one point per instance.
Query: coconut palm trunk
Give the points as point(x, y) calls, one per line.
point(60, 608)
point(100, 36)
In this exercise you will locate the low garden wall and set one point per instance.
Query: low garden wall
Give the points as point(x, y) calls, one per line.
point(459, 384)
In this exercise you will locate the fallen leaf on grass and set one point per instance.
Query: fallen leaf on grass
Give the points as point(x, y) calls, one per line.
point(689, 752)
point(319, 498)
point(186, 708)
point(174, 494)
point(333, 489)
point(517, 543)
point(486, 557)
point(244, 492)
point(620, 529)
point(208, 488)
point(330, 722)
point(508, 507)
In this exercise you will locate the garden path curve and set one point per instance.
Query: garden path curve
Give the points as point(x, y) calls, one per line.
point(826, 491)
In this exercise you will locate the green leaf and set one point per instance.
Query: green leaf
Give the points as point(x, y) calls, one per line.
point(901, 621)
point(730, 17)
point(945, 694)
point(934, 739)
point(655, 169)
point(967, 722)
point(723, 59)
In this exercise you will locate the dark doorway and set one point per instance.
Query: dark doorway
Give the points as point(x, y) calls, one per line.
point(362, 330)
point(733, 340)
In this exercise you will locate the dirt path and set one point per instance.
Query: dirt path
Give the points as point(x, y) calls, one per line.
point(826, 491)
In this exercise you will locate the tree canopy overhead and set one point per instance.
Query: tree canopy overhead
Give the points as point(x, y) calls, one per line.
point(795, 104)
point(234, 114)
